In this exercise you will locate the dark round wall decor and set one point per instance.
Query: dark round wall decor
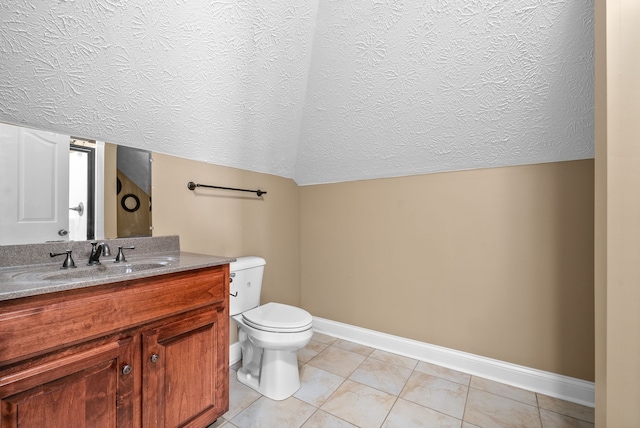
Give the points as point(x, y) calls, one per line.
point(130, 202)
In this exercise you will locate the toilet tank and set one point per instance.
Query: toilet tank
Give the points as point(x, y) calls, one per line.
point(246, 281)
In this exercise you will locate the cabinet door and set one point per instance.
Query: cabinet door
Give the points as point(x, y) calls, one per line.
point(185, 371)
point(82, 389)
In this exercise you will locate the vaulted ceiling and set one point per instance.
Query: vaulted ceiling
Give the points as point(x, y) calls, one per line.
point(318, 91)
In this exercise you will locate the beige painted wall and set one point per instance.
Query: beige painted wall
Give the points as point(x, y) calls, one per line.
point(110, 197)
point(600, 213)
point(233, 224)
point(495, 262)
point(617, 213)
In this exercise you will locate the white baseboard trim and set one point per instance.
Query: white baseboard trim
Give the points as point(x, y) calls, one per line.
point(551, 384)
point(235, 353)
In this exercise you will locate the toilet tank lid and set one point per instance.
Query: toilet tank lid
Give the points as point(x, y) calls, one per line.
point(246, 262)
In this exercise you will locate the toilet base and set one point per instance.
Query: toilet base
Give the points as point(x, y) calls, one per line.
point(279, 377)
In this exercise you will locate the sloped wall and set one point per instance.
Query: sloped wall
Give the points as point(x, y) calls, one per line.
point(400, 88)
point(319, 91)
point(222, 82)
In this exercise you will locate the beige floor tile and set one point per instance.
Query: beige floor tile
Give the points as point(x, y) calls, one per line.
point(443, 372)
point(337, 361)
point(310, 351)
point(436, 393)
point(396, 359)
point(503, 390)
point(556, 420)
point(493, 411)
point(377, 374)
point(317, 385)
point(359, 404)
point(267, 413)
point(405, 414)
point(323, 338)
point(240, 396)
point(353, 347)
point(345, 384)
point(220, 423)
point(566, 408)
point(322, 419)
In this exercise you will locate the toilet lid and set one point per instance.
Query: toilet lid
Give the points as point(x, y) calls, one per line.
point(278, 317)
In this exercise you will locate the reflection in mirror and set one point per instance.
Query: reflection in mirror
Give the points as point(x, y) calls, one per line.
point(133, 192)
point(82, 185)
point(55, 187)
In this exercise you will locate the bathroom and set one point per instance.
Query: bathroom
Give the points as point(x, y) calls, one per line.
point(496, 262)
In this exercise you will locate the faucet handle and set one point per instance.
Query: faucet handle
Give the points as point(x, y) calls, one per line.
point(120, 257)
point(68, 261)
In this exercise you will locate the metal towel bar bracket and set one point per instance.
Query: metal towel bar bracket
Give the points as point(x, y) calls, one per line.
point(192, 186)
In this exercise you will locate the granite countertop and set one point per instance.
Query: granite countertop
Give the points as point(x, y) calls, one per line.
point(159, 257)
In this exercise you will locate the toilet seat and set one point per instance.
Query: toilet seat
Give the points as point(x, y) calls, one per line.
point(278, 318)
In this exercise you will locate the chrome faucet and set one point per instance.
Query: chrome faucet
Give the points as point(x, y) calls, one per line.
point(98, 250)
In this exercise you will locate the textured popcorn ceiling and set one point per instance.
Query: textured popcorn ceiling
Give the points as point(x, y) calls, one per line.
point(322, 91)
point(217, 81)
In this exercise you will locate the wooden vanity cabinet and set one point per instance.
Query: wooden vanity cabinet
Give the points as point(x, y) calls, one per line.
point(151, 352)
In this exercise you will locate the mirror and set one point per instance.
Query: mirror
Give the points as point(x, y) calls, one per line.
point(133, 192)
point(57, 187)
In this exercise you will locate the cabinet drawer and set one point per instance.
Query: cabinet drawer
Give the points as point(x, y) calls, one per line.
point(44, 323)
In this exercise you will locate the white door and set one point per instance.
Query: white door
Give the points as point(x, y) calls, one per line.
point(34, 186)
point(78, 191)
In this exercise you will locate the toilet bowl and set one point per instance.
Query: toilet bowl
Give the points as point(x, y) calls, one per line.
point(269, 335)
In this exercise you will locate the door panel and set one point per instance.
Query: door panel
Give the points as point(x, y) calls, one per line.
point(75, 400)
point(34, 180)
point(86, 389)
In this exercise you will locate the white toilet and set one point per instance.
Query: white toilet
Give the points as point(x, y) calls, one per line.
point(270, 335)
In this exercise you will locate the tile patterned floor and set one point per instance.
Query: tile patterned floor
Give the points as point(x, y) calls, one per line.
point(345, 384)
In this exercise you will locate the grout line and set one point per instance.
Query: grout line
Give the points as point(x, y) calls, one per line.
point(466, 402)
point(538, 406)
point(390, 409)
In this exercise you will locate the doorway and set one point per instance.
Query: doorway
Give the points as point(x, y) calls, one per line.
point(82, 171)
